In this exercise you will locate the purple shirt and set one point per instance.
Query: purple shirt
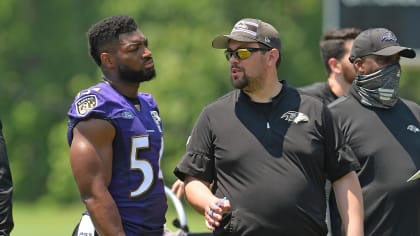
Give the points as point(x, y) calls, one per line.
point(137, 181)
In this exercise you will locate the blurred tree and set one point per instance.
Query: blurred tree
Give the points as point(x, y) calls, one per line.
point(43, 48)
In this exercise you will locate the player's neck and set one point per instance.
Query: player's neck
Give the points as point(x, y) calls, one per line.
point(129, 90)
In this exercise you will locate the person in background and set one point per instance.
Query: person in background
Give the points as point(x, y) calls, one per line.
point(257, 158)
point(335, 50)
point(6, 189)
point(178, 188)
point(383, 131)
point(115, 135)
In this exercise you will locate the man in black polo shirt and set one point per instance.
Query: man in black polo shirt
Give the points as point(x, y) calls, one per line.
point(258, 157)
point(335, 47)
point(383, 131)
point(6, 189)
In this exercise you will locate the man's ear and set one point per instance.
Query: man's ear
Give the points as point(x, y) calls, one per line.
point(107, 60)
point(334, 65)
point(358, 65)
point(274, 56)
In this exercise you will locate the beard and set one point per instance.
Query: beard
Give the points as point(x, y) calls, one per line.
point(240, 82)
point(137, 76)
point(349, 74)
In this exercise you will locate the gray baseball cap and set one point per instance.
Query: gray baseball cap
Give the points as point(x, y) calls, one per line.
point(378, 41)
point(250, 30)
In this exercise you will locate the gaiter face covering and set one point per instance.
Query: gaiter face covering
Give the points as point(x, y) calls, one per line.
point(379, 89)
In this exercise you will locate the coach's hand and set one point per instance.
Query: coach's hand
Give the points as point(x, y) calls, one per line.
point(214, 212)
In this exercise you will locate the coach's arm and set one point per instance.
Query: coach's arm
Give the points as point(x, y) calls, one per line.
point(350, 203)
point(198, 194)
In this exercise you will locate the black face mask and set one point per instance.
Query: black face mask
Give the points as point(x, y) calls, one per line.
point(379, 89)
point(130, 75)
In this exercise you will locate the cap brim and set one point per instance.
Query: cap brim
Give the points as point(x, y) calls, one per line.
point(221, 41)
point(403, 51)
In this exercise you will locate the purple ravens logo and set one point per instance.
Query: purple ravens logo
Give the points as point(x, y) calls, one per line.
point(389, 36)
point(295, 117)
point(85, 104)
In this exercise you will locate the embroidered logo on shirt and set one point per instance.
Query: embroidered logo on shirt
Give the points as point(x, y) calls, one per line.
point(413, 128)
point(156, 118)
point(295, 117)
point(128, 115)
point(85, 104)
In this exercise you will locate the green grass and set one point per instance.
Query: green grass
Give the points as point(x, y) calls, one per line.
point(43, 219)
point(195, 221)
point(50, 219)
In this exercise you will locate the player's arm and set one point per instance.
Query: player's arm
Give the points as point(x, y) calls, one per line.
point(350, 203)
point(198, 194)
point(91, 162)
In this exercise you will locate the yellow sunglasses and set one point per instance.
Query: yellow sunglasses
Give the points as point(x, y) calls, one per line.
point(243, 53)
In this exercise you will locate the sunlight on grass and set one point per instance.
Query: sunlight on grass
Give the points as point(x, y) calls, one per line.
point(50, 219)
point(195, 221)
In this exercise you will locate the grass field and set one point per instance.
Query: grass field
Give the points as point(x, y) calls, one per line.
point(51, 220)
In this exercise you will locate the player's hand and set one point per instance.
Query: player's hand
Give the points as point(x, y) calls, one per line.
point(178, 188)
point(214, 212)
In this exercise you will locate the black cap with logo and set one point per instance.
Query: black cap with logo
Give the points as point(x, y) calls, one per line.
point(250, 30)
point(378, 41)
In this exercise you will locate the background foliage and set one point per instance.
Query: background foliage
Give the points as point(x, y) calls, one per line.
point(44, 63)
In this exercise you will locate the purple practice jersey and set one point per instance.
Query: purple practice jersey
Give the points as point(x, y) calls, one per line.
point(137, 181)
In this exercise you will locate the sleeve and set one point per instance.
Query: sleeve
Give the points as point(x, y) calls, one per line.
point(6, 189)
point(88, 104)
point(340, 157)
point(198, 161)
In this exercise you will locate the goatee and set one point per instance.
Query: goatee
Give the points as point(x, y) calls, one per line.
point(240, 83)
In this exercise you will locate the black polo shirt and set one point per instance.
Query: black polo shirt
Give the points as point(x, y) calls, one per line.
point(321, 91)
point(270, 160)
point(387, 145)
point(6, 189)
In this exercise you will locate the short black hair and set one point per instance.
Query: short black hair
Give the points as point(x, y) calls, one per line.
point(106, 32)
point(332, 44)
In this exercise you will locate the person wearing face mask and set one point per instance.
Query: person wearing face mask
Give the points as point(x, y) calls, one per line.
point(383, 130)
